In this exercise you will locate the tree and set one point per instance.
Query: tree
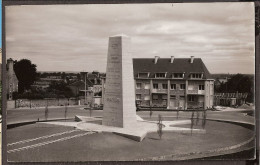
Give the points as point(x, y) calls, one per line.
point(151, 112)
point(46, 112)
point(26, 74)
point(240, 83)
point(65, 112)
point(60, 89)
point(192, 122)
point(204, 119)
point(160, 126)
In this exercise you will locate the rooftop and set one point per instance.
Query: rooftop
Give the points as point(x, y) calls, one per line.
point(178, 65)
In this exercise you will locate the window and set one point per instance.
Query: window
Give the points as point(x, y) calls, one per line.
point(160, 75)
point(143, 75)
point(177, 75)
point(147, 97)
point(147, 86)
point(182, 97)
point(138, 85)
point(138, 97)
point(196, 75)
point(173, 86)
point(155, 97)
point(165, 86)
point(191, 98)
point(173, 96)
point(155, 86)
point(201, 87)
point(164, 97)
point(182, 86)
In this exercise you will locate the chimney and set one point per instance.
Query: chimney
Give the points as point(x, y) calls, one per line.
point(156, 59)
point(191, 59)
point(10, 65)
point(172, 59)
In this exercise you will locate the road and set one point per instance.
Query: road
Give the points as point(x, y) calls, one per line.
point(58, 143)
point(25, 115)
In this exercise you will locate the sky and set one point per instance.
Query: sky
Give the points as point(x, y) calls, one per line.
point(75, 37)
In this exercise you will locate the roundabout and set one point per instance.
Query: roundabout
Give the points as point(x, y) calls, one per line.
point(56, 143)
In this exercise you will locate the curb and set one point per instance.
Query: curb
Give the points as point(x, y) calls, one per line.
point(198, 155)
point(209, 153)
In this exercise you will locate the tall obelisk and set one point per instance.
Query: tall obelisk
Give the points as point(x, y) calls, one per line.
point(119, 98)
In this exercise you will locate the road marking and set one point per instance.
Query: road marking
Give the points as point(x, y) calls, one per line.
point(48, 142)
point(42, 137)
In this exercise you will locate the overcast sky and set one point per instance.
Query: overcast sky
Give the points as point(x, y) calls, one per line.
point(75, 37)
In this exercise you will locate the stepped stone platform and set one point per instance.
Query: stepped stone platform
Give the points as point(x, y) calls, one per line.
point(136, 132)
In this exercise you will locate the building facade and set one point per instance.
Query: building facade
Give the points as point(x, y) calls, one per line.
point(172, 83)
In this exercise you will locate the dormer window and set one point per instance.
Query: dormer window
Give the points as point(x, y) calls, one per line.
point(143, 75)
point(160, 75)
point(178, 75)
point(196, 75)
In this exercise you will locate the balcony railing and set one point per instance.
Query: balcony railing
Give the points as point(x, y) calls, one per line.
point(159, 90)
point(198, 92)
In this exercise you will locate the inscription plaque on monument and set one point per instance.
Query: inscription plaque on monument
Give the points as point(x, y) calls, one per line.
point(119, 98)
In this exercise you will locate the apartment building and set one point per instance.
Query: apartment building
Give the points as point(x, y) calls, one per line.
point(172, 83)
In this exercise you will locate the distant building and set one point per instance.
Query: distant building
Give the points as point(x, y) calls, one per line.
point(41, 85)
point(52, 78)
point(12, 81)
point(173, 83)
point(78, 87)
point(94, 77)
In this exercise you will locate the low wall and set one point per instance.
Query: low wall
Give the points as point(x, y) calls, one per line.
point(42, 103)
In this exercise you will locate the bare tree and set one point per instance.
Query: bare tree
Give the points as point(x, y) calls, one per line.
point(65, 112)
point(151, 112)
point(178, 110)
point(46, 112)
point(197, 117)
point(204, 119)
point(90, 109)
point(192, 122)
point(160, 126)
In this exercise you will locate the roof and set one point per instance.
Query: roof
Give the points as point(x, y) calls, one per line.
point(179, 65)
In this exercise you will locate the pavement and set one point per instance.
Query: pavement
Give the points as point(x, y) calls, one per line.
point(137, 131)
point(56, 143)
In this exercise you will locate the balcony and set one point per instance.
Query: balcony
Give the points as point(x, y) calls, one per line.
point(196, 92)
point(142, 91)
point(159, 91)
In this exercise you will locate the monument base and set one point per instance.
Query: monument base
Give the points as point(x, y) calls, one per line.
point(136, 132)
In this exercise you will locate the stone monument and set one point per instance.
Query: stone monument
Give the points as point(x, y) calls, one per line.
point(119, 98)
point(119, 112)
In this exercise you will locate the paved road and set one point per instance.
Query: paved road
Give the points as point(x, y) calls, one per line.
point(24, 115)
